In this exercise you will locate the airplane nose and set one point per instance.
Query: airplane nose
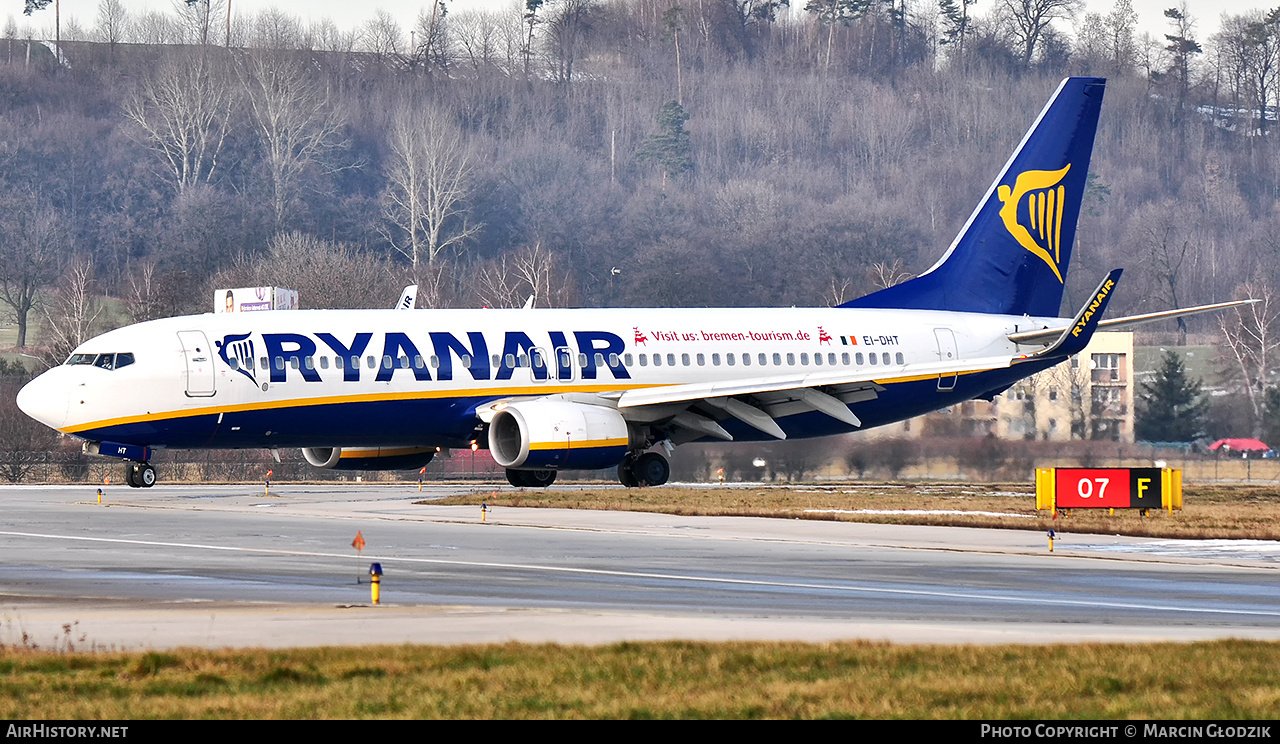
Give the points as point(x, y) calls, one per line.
point(45, 400)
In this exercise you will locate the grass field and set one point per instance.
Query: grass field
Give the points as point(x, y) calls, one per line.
point(1228, 679)
point(1244, 512)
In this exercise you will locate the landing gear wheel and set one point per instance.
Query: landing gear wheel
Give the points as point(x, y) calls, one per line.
point(516, 478)
point(131, 475)
point(626, 472)
point(651, 469)
point(146, 475)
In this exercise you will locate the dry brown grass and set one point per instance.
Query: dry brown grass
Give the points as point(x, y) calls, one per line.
point(1251, 512)
point(1228, 679)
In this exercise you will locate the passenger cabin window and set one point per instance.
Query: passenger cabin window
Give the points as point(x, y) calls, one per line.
point(899, 359)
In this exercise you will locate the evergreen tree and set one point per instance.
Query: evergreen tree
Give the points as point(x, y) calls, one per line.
point(671, 148)
point(1172, 407)
point(1271, 417)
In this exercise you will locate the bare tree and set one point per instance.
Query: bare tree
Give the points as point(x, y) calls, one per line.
point(1252, 334)
point(31, 234)
point(432, 46)
point(1029, 20)
point(1166, 255)
point(383, 38)
point(296, 124)
point(113, 22)
point(568, 25)
point(197, 17)
point(326, 275)
point(429, 180)
point(184, 111)
point(479, 39)
point(531, 273)
point(72, 315)
point(884, 274)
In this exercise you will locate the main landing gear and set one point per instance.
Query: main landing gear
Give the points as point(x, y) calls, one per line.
point(139, 474)
point(648, 469)
point(530, 478)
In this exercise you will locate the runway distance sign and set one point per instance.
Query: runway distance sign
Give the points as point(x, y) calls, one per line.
point(1114, 488)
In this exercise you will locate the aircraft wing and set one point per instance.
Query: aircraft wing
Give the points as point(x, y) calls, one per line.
point(756, 401)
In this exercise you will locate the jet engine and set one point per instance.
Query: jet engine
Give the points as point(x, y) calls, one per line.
point(369, 458)
point(549, 434)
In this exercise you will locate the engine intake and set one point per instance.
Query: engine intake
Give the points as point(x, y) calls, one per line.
point(557, 434)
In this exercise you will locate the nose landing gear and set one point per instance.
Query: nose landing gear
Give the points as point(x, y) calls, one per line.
point(139, 474)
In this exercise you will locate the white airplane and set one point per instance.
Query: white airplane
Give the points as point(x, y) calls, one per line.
point(548, 390)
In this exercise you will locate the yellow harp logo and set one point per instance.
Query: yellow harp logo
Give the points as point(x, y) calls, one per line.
point(1042, 193)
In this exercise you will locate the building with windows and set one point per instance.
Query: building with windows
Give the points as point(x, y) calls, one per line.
point(1089, 397)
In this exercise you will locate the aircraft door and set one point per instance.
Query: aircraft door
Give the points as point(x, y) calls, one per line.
point(199, 359)
point(947, 352)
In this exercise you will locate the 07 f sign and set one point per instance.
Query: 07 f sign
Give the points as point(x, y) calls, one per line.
point(1121, 488)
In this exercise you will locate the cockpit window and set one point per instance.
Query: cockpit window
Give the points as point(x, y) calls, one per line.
point(103, 361)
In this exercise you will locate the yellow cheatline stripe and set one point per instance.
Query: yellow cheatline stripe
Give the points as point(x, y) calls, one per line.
point(587, 443)
point(362, 398)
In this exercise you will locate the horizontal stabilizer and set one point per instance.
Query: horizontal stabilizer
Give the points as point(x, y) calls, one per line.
point(1046, 335)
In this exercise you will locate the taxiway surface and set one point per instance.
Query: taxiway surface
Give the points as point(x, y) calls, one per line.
point(227, 566)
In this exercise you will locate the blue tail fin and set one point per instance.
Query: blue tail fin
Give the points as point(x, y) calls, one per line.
point(1011, 257)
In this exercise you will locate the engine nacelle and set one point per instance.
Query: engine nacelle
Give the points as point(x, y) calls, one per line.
point(557, 434)
point(369, 458)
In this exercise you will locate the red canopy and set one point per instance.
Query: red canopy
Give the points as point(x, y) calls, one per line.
point(1240, 445)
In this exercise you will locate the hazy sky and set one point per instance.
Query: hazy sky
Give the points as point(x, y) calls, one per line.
point(350, 13)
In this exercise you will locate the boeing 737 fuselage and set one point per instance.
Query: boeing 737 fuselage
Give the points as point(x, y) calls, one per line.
point(547, 390)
